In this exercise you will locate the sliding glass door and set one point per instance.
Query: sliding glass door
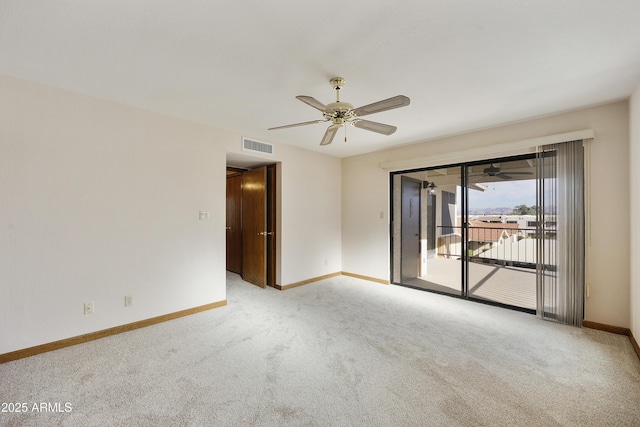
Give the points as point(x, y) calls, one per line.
point(501, 232)
point(477, 229)
point(428, 239)
point(506, 231)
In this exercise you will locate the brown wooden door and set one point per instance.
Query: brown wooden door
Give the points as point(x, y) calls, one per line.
point(234, 223)
point(254, 226)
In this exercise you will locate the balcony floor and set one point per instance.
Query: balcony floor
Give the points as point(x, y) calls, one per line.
point(503, 284)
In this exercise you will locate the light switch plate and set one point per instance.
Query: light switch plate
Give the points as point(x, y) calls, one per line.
point(88, 308)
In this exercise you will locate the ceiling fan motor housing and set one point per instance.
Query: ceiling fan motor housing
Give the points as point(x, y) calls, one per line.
point(341, 106)
point(492, 170)
point(340, 112)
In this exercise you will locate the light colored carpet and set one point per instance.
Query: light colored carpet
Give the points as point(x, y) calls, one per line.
point(340, 352)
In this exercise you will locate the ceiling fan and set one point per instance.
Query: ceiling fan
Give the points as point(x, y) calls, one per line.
point(340, 113)
point(496, 171)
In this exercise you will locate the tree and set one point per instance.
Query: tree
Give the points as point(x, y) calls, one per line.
point(524, 210)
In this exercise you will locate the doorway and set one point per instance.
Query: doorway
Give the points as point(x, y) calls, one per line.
point(251, 224)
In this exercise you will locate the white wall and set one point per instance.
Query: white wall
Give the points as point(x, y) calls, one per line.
point(365, 189)
point(365, 236)
point(634, 115)
point(311, 216)
point(99, 201)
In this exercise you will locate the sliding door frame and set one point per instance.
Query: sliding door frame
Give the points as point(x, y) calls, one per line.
point(464, 257)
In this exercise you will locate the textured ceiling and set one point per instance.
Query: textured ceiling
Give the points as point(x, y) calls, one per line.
point(238, 65)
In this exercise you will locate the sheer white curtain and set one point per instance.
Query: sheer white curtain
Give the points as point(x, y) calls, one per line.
point(561, 232)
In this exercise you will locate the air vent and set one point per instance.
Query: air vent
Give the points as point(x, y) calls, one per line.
point(256, 146)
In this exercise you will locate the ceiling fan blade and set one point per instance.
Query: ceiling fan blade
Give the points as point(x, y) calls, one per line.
point(313, 102)
point(384, 105)
point(299, 124)
point(375, 127)
point(502, 176)
point(329, 134)
point(518, 173)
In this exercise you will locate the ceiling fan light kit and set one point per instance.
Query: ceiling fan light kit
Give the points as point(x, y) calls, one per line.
point(340, 113)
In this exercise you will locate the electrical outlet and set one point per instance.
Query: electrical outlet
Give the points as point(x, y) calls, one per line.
point(88, 308)
point(128, 301)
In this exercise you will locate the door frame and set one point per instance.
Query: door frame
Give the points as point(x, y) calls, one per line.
point(234, 224)
point(272, 224)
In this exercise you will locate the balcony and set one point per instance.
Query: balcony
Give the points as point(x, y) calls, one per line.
point(502, 263)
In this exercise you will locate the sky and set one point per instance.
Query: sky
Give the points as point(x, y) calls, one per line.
point(504, 194)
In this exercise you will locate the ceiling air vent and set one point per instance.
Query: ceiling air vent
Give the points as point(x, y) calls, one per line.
point(256, 146)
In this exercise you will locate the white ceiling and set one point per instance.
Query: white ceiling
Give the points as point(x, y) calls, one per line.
point(239, 64)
